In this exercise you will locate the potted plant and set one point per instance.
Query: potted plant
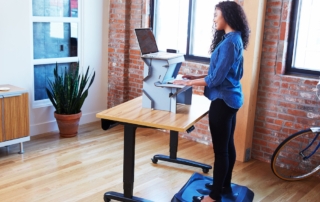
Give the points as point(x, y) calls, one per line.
point(67, 93)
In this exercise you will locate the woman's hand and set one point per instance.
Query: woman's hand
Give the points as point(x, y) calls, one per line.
point(190, 77)
point(189, 80)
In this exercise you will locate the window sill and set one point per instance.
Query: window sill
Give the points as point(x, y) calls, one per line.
point(302, 75)
point(41, 103)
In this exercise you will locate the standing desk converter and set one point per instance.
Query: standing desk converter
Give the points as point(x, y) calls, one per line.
point(132, 115)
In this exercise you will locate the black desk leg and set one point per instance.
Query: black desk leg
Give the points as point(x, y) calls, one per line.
point(128, 169)
point(173, 155)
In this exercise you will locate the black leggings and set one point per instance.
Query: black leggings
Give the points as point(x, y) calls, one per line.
point(222, 121)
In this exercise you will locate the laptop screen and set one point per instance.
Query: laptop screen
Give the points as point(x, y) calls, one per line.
point(146, 41)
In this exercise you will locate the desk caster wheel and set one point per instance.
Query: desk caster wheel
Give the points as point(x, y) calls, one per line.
point(154, 160)
point(205, 170)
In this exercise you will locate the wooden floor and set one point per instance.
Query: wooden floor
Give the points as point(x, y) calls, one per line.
point(85, 167)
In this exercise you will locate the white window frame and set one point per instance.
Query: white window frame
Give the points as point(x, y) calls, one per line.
point(190, 29)
point(78, 20)
point(292, 44)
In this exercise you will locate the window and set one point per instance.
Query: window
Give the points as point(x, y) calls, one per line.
point(55, 40)
point(184, 25)
point(304, 38)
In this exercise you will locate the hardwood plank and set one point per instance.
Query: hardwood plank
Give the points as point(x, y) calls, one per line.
point(83, 168)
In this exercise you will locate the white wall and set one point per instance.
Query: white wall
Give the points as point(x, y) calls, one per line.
point(16, 57)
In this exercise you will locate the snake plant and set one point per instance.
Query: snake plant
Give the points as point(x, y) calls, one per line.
point(68, 90)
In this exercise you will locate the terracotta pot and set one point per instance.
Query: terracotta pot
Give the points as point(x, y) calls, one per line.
point(68, 124)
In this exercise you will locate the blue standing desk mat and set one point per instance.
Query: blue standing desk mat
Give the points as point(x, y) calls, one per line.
point(196, 187)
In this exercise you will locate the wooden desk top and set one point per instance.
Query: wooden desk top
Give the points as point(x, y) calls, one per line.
point(132, 112)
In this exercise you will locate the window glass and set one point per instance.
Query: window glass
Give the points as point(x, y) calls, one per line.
point(171, 24)
point(55, 8)
point(185, 25)
point(43, 73)
point(54, 40)
point(307, 42)
point(201, 27)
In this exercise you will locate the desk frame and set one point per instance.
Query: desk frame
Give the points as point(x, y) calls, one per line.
point(129, 161)
point(132, 116)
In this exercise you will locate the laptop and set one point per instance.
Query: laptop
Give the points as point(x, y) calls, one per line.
point(148, 45)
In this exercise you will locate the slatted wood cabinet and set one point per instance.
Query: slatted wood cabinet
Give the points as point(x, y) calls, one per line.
point(14, 116)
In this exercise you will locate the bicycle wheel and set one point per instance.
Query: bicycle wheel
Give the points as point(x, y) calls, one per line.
point(288, 163)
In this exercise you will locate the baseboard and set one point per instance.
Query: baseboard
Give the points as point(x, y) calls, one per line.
point(46, 127)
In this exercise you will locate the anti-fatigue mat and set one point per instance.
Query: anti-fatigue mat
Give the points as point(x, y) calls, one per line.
point(196, 187)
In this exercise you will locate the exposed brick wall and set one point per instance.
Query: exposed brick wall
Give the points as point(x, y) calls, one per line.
point(285, 104)
point(125, 68)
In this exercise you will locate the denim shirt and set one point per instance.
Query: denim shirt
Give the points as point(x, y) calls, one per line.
point(225, 71)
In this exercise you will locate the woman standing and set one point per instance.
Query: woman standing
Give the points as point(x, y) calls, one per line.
point(223, 88)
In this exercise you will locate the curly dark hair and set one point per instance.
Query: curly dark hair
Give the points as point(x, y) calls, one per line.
point(235, 17)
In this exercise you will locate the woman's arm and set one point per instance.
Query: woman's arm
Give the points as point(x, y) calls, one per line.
point(195, 82)
point(224, 63)
point(192, 77)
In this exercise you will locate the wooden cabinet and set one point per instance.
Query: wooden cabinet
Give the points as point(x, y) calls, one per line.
point(14, 116)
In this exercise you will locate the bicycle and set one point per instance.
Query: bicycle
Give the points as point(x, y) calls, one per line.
point(298, 156)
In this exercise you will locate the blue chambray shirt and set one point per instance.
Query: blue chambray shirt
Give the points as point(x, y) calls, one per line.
point(225, 71)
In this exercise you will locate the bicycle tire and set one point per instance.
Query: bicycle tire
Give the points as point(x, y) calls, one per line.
point(288, 164)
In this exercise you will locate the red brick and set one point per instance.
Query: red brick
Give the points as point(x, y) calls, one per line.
point(274, 4)
point(256, 147)
point(269, 101)
point(265, 69)
point(278, 122)
point(286, 117)
point(262, 130)
point(289, 131)
point(272, 127)
point(280, 68)
point(267, 150)
point(259, 142)
point(290, 79)
point(270, 89)
point(259, 123)
point(269, 120)
point(284, 92)
point(289, 124)
point(301, 126)
point(274, 96)
point(287, 105)
point(311, 82)
point(306, 121)
point(269, 113)
point(294, 93)
point(284, 85)
point(273, 17)
point(283, 30)
point(297, 112)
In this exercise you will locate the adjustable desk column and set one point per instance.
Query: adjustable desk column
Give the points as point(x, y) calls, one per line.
point(132, 115)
